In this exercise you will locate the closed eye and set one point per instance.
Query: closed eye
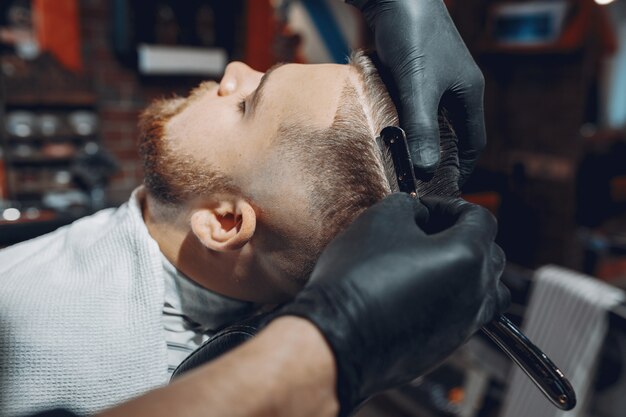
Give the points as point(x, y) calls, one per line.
point(241, 106)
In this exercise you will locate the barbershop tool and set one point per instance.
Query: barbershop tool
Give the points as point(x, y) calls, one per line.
point(539, 368)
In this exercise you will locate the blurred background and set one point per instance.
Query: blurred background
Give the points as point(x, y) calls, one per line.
point(75, 74)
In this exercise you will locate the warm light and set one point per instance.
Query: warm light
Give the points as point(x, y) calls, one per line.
point(603, 2)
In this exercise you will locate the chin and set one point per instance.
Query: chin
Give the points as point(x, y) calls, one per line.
point(278, 281)
point(279, 292)
point(285, 295)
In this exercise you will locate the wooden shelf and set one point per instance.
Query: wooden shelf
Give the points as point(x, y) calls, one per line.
point(42, 189)
point(14, 232)
point(51, 139)
point(42, 86)
point(54, 99)
point(40, 160)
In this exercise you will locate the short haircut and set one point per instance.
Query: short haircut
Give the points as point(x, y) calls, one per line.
point(380, 106)
point(346, 171)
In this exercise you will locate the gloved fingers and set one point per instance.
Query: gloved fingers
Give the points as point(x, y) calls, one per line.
point(475, 222)
point(394, 210)
point(443, 212)
point(496, 302)
point(377, 230)
point(396, 214)
point(463, 101)
point(467, 163)
point(396, 205)
point(472, 145)
point(418, 91)
point(459, 217)
point(498, 296)
point(382, 222)
point(503, 295)
point(498, 261)
point(419, 119)
point(504, 298)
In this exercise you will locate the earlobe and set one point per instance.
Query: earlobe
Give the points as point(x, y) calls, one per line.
point(225, 226)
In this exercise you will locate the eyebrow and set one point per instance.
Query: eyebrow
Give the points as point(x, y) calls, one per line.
point(257, 96)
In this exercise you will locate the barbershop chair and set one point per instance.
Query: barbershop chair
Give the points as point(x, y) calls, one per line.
point(223, 341)
point(578, 321)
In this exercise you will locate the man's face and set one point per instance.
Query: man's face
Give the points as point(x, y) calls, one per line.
point(231, 127)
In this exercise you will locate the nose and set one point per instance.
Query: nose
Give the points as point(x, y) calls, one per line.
point(238, 77)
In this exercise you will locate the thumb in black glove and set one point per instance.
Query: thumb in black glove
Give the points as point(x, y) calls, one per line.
point(393, 300)
point(418, 43)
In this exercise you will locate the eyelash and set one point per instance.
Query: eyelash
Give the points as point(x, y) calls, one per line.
point(241, 106)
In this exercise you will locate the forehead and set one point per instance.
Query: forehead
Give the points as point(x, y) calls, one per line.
point(305, 92)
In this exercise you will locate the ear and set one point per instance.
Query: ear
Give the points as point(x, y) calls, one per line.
point(225, 226)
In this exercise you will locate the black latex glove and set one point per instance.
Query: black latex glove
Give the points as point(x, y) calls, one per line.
point(417, 41)
point(393, 301)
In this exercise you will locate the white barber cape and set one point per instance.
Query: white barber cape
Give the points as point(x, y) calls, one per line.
point(81, 315)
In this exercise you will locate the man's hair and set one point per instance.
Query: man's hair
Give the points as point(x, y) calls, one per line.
point(348, 171)
point(345, 169)
point(379, 105)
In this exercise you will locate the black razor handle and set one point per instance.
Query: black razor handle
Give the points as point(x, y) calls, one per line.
point(536, 364)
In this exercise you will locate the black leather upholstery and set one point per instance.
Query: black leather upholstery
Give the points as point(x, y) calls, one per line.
point(223, 341)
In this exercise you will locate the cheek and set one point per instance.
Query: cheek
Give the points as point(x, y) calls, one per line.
point(206, 138)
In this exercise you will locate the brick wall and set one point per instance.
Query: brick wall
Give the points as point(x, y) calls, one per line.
point(121, 95)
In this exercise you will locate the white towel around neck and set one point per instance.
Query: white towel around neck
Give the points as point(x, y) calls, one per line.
point(81, 315)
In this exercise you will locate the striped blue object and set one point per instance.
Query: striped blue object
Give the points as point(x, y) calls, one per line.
point(329, 31)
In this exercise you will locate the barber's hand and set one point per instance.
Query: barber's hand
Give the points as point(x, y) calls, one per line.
point(427, 58)
point(393, 300)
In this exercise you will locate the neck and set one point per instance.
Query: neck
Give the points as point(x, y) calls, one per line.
point(179, 245)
